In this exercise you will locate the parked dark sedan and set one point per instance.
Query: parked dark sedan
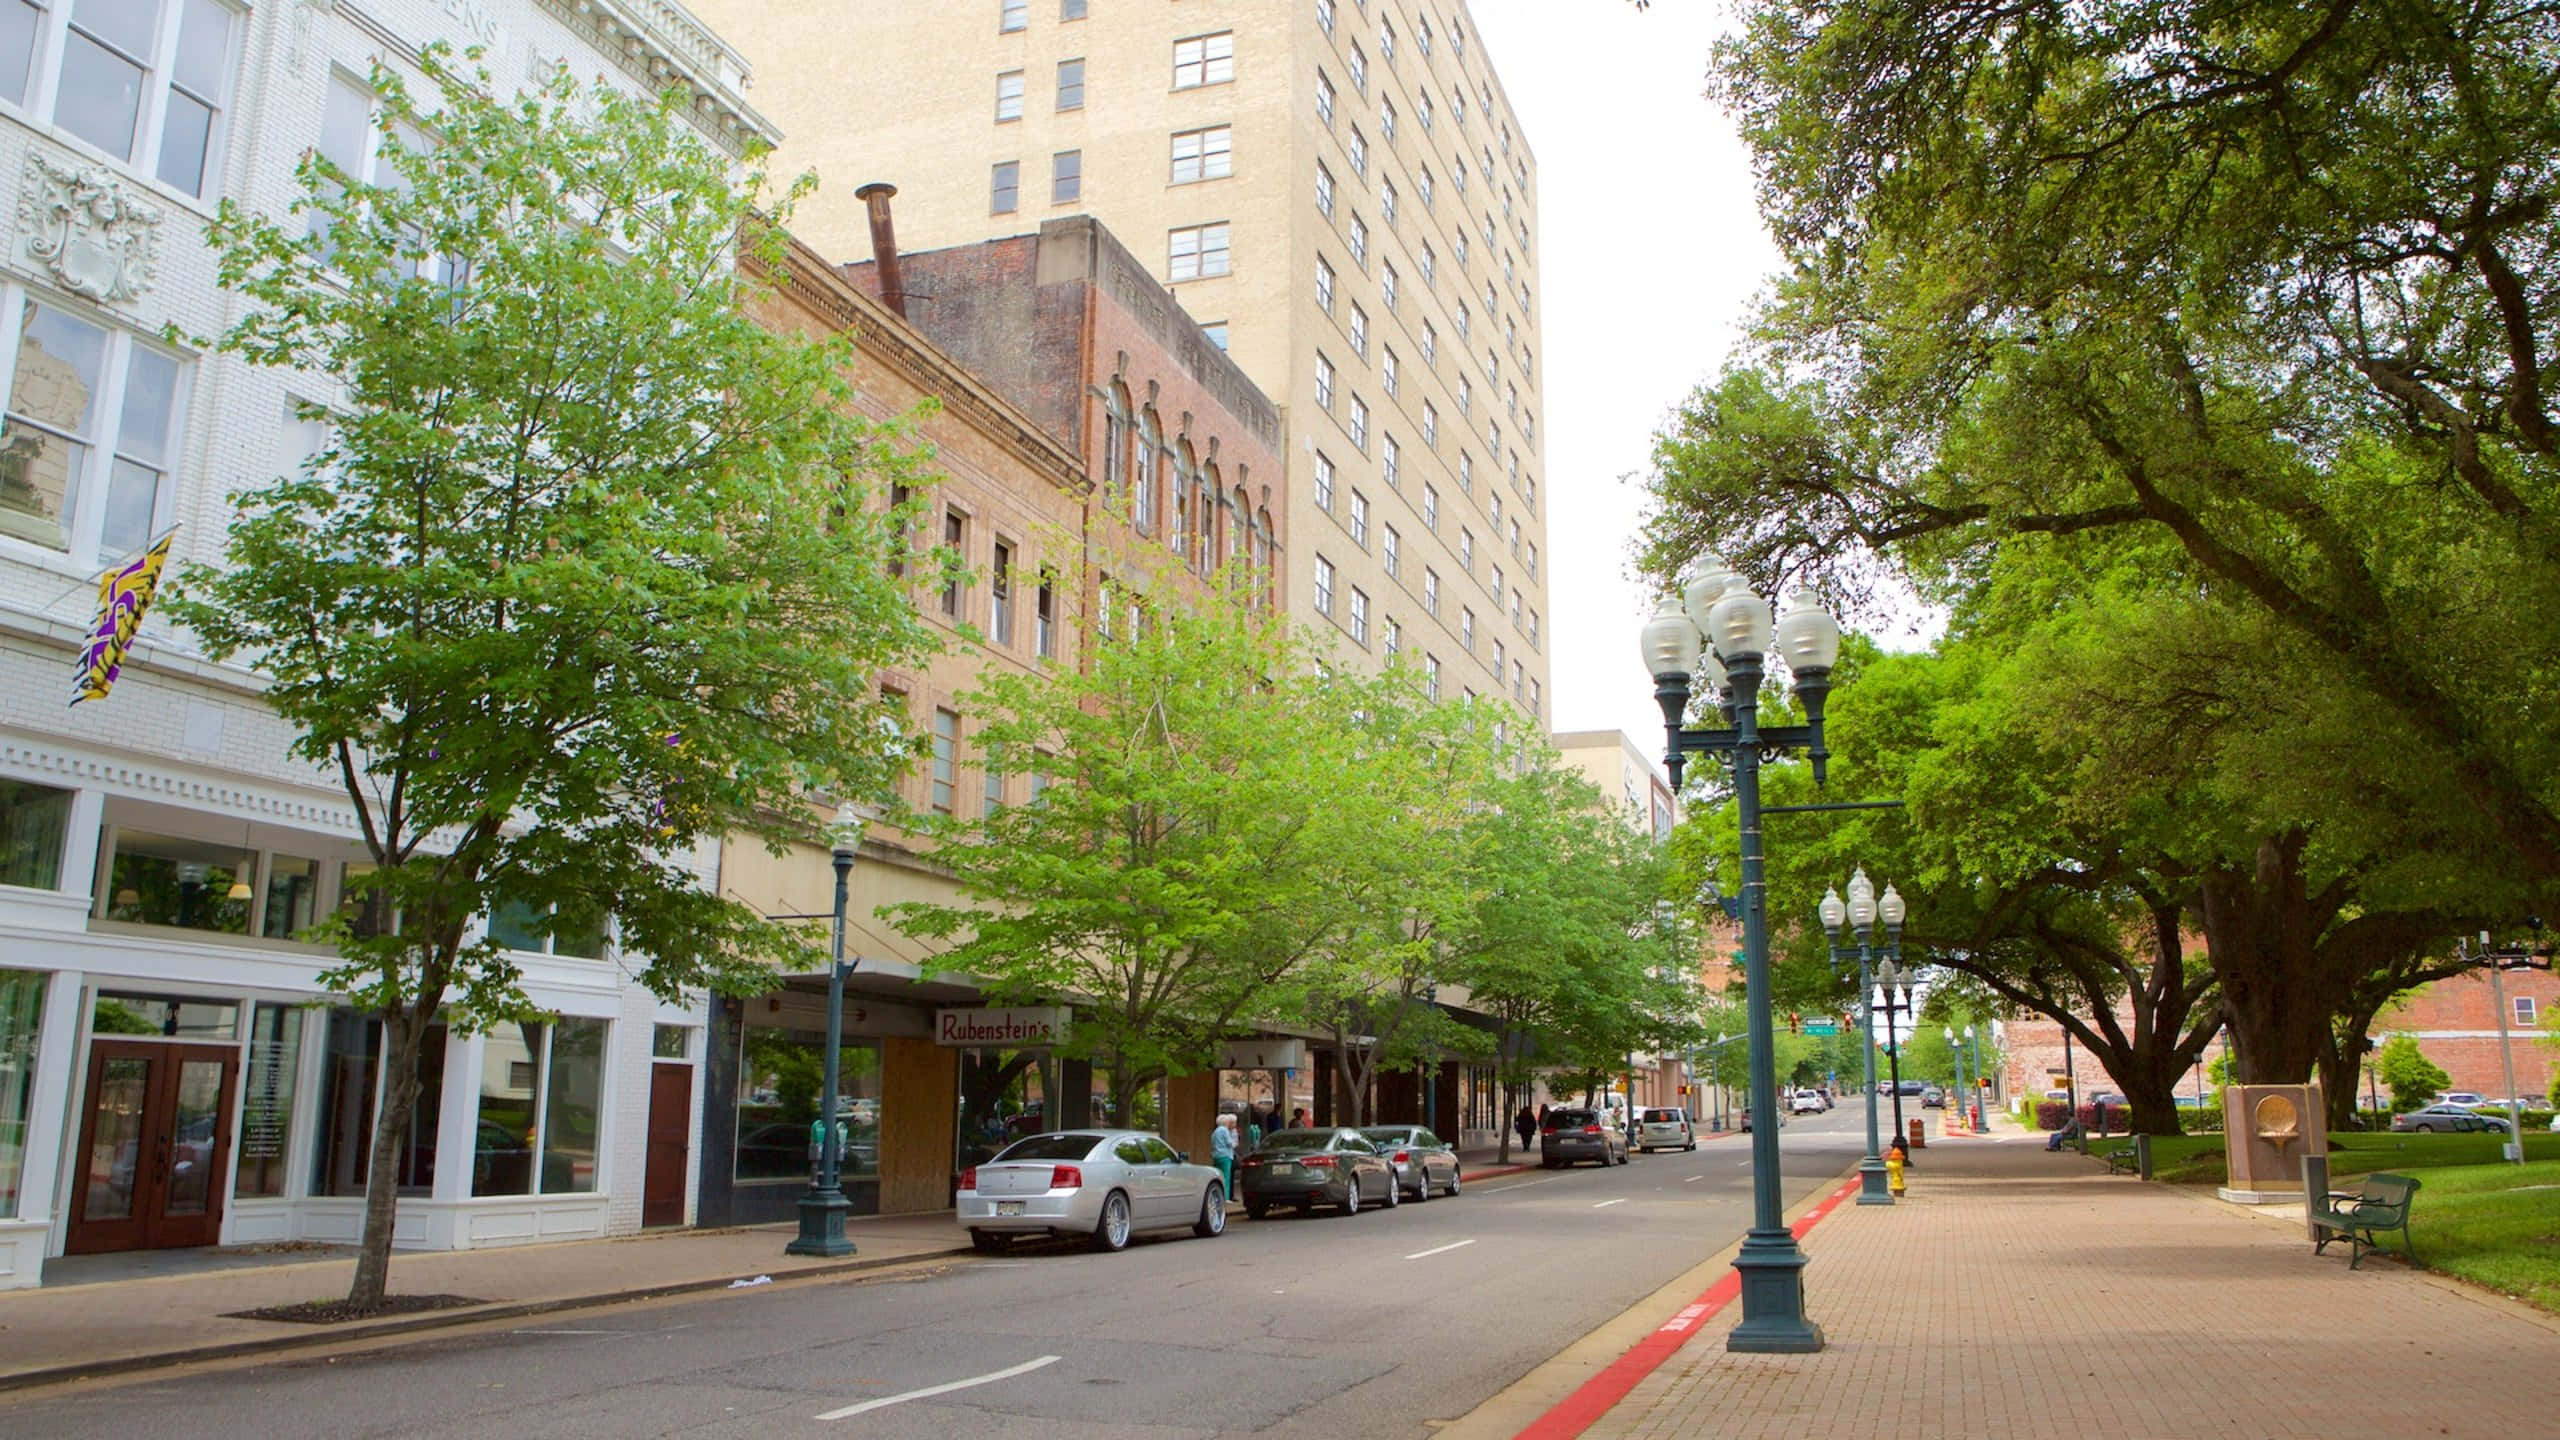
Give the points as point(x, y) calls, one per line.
point(1571, 1136)
point(1423, 1161)
point(1308, 1168)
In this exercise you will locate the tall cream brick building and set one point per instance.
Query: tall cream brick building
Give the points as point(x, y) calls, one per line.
point(1337, 190)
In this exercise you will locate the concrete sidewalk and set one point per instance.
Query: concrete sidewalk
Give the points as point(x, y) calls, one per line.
point(2021, 1292)
point(66, 1331)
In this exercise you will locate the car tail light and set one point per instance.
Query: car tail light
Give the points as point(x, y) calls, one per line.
point(1065, 1177)
point(1590, 1129)
point(1250, 1161)
point(1321, 1162)
point(969, 1178)
point(1404, 1157)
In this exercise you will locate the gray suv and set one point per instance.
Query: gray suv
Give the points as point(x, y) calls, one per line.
point(1570, 1136)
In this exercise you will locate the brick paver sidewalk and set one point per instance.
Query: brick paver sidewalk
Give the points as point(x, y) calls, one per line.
point(117, 1324)
point(2022, 1293)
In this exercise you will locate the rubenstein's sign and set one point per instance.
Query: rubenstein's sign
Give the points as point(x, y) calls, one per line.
point(1016, 1027)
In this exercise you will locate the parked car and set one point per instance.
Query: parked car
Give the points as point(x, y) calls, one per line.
point(1806, 1102)
point(1423, 1161)
point(1932, 1098)
point(1746, 1118)
point(2442, 1117)
point(2461, 1097)
point(1104, 1184)
point(1306, 1168)
point(1665, 1127)
point(1572, 1135)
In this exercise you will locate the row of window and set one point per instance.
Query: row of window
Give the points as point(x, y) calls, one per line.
point(1353, 617)
point(144, 82)
point(1014, 15)
point(1066, 182)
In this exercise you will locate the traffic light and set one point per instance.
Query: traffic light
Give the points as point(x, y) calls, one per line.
point(1795, 1023)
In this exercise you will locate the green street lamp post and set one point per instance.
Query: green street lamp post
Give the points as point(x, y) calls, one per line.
point(1962, 1108)
point(1896, 1001)
point(1859, 913)
point(1981, 1082)
point(822, 1210)
point(1719, 624)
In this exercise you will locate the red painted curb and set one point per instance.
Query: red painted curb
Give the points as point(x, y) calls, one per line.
point(1577, 1412)
point(1488, 1174)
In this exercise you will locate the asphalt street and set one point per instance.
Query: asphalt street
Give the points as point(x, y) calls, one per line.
point(1370, 1325)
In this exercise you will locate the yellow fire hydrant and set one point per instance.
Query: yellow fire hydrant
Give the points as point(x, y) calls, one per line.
point(1893, 1170)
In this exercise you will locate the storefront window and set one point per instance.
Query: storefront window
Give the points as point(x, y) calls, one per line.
point(350, 1071)
point(21, 1015)
point(34, 821)
point(173, 1017)
point(1003, 1097)
point(671, 1042)
point(556, 1072)
point(191, 884)
point(519, 926)
point(266, 1099)
point(779, 1076)
point(293, 896)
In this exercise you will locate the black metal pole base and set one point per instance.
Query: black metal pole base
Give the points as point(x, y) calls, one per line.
point(1871, 1182)
point(821, 1225)
point(1773, 1323)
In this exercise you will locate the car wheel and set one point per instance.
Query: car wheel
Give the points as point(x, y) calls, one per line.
point(2424, 1129)
point(1395, 1191)
point(1350, 1196)
point(1256, 1209)
point(1213, 1213)
point(988, 1242)
point(1453, 1182)
point(1111, 1232)
point(1692, 1145)
point(1421, 1184)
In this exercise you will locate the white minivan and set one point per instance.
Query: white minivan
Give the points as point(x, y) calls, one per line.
point(1665, 1127)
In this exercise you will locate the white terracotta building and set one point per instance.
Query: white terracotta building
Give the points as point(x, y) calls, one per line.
point(170, 1073)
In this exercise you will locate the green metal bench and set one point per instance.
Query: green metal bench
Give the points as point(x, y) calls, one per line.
point(2383, 1204)
point(2124, 1162)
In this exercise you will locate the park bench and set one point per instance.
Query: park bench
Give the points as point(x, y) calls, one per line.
point(2126, 1161)
point(2383, 1204)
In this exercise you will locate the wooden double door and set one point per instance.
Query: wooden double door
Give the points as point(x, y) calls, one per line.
point(155, 1144)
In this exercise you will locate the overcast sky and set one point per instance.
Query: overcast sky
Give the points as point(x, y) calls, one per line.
point(1650, 250)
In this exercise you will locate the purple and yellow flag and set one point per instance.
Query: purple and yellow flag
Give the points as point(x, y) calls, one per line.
point(123, 594)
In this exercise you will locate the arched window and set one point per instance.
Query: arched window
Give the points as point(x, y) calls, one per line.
point(1142, 493)
point(1115, 440)
point(1265, 553)
point(1240, 527)
point(1178, 532)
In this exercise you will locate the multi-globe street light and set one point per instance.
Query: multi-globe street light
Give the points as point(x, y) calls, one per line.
point(1859, 913)
point(1895, 1003)
point(1719, 630)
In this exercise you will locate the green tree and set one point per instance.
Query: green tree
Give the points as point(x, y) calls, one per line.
point(586, 576)
point(1190, 847)
point(2414, 1079)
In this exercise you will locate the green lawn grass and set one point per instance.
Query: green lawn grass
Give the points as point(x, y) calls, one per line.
point(2475, 1216)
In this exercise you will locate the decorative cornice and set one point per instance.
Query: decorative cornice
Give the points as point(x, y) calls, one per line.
point(146, 781)
point(809, 279)
point(660, 44)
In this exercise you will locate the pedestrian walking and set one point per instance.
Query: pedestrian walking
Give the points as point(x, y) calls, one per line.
point(1222, 1152)
point(1527, 1125)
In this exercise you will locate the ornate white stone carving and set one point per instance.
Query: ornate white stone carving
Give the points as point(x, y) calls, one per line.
point(85, 226)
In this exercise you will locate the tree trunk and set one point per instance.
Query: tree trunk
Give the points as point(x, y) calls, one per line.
point(401, 1030)
point(2262, 929)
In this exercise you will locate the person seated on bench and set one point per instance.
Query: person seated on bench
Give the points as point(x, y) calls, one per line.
point(2069, 1132)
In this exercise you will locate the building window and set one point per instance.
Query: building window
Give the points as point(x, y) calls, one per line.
point(1500, 659)
point(1359, 519)
point(1071, 84)
point(1013, 15)
point(1324, 191)
point(1533, 559)
point(145, 83)
point(1000, 596)
point(1430, 344)
point(1458, 246)
point(1358, 150)
point(991, 780)
point(1360, 424)
point(1430, 591)
point(946, 759)
point(35, 823)
point(1324, 16)
point(88, 440)
point(1389, 458)
point(1533, 697)
point(1466, 395)
point(1391, 552)
point(1515, 537)
point(350, 1077)
point(1324, 285)
point(1324, 98)
point(1359, 243)
point(1204, 60)
point(1359, 616)
point(1387, 371)
point(1324, 382)
point(1070, 9)
point(1196, 252)
point(1430, 424)
point(1431, 507)
point(2524, 1009)
point(541, 1095)
point(1387, 286)
point(955, 538)
point(1515, 612)
point(1008, 96)
point(184, 883)
point(1467, 628)
point(1004, 188)
point(1359, 332)
point(546, 930)
point(1359, 70)
point(1431, 676)
point(1386, 42)
point(1391, 639)
point(1466, 550)
point(1497, 585)
point(1387, 120)
point(1044, 619)
point(1422, 112)
point(1203, 154)
point(1533, 627)
point(1324, 481)
point(1466, 461)
point(1066, 177)
point(1324, 586)
point(1387, 205)
point(1430, 264)
point(1519, 676)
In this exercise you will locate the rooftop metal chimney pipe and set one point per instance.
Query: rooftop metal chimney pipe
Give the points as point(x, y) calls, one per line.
point(884, 245)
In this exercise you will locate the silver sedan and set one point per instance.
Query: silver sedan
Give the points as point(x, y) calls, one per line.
point(1105, 1185)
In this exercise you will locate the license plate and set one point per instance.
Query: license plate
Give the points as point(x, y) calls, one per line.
point(1285, 1167)
point(1008, 1207)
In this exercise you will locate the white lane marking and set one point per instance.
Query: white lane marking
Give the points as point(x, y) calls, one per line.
point(1524, 1184)
point(1692, 1179)
point(571, 1332)
point(1605, 1204)
point(1025, 1368)
point(1438, 1250)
